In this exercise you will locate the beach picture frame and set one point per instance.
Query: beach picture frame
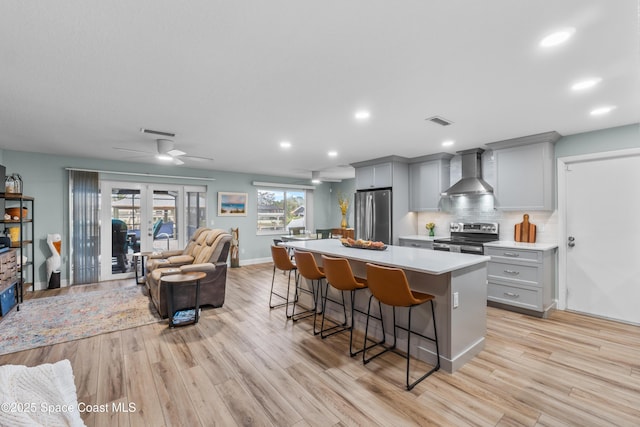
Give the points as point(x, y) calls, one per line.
point(232, 204)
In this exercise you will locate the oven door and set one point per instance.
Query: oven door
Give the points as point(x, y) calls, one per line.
point(471, 249)
point(441, 246)
point(459, 248)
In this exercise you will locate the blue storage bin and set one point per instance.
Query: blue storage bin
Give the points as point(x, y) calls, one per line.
point(7, 299)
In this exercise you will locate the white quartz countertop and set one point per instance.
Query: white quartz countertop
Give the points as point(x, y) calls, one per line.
point(415, 259)
point(422, 237)
point(508, 244)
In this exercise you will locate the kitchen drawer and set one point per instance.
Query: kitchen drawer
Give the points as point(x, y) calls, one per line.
point(514, 254)
point(516, 296)
point(411, 243)
point(523, 274)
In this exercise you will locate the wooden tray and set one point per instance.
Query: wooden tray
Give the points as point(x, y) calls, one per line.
point(373, 248)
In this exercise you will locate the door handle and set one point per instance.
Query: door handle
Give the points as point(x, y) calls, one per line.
point(571, 241)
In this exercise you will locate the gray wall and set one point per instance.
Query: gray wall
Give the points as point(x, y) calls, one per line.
point(46, 179)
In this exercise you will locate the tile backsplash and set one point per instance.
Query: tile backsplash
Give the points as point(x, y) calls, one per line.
point(477, 211)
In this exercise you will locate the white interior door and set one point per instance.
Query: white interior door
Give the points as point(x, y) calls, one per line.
point(602, 250)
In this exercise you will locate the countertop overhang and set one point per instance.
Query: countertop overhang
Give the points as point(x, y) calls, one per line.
point(414, 259)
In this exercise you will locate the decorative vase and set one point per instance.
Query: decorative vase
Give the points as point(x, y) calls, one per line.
point(431, 232)
point(343, 224)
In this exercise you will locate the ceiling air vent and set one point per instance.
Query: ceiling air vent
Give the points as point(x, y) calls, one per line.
point(157, 132)
point(439, 120)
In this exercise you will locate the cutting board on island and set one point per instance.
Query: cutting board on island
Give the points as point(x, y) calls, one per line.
point(525, 231)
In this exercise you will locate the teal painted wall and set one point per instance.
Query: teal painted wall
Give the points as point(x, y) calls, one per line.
point(618, 138)
point(46, 179)
point(346, 187)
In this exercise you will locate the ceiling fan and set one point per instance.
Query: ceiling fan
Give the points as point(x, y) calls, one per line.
point(166, 151)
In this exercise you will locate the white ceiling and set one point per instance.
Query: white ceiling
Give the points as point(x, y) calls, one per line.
point(234, 78)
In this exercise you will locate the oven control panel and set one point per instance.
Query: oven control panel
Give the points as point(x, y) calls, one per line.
point(474, 227)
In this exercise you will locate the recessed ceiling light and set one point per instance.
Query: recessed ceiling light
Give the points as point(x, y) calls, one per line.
point(285, 144)
point(448, 143)
point(557, 38)
point(586, 84)
point(362, 115)
point(332, 153)
point(602, 110)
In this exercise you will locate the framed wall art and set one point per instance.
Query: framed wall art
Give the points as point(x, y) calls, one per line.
point(232, 204)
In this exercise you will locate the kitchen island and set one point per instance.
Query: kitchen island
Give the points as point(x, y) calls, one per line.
point(458, 281)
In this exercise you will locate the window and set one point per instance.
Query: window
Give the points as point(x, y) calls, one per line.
point(280, 210)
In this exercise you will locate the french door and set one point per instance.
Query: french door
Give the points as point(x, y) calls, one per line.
point(139, 217)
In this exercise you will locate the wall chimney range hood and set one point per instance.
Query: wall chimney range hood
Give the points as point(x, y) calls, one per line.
point(471, 183)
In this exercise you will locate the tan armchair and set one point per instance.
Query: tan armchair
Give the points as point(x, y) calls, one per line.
point(176, 257)
point(209, 253)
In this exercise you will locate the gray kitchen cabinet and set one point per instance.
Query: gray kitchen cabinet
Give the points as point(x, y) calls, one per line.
point(522, 279)
point(524, 178)
point(374, 176)
point(428, 178)
point(416, 243)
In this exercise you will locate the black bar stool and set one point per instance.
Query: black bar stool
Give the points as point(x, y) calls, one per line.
point(390, 287)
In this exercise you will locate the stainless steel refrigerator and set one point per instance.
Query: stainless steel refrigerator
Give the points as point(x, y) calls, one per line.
point(373, 215)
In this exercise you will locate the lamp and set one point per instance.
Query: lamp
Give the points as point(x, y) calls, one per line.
point(315, 177)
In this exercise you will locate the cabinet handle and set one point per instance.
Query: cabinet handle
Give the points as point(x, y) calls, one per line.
point(515, 273)
point(512, 295)
point(415, 245)
point(512, 254)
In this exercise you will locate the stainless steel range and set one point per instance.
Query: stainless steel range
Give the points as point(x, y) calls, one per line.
point(468, 237)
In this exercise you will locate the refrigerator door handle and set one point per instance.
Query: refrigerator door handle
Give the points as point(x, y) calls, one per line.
point(370, 218)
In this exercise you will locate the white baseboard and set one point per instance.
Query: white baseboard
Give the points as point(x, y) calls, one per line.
point(255, 261)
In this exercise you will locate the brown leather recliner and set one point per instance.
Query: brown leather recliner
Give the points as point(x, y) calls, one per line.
point(210, 251)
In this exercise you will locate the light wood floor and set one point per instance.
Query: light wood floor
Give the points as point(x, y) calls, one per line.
point(243, 364)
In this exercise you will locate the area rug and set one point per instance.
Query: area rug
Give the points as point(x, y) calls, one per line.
point(43, 395)
point(52, 320)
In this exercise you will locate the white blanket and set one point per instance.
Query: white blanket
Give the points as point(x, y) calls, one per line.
point(43, 395)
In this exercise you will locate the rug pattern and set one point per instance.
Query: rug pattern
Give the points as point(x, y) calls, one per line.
point(52, 320)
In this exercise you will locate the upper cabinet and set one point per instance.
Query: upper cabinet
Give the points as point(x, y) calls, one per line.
point(374, 176)
point(524, 172)
point(428, 178)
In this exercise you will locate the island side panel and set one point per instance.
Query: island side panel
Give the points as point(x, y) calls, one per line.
point(461, 331)
point(469, 319)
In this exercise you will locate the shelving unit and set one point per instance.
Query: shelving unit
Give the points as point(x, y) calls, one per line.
point(24, 246)
point(8, 281)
